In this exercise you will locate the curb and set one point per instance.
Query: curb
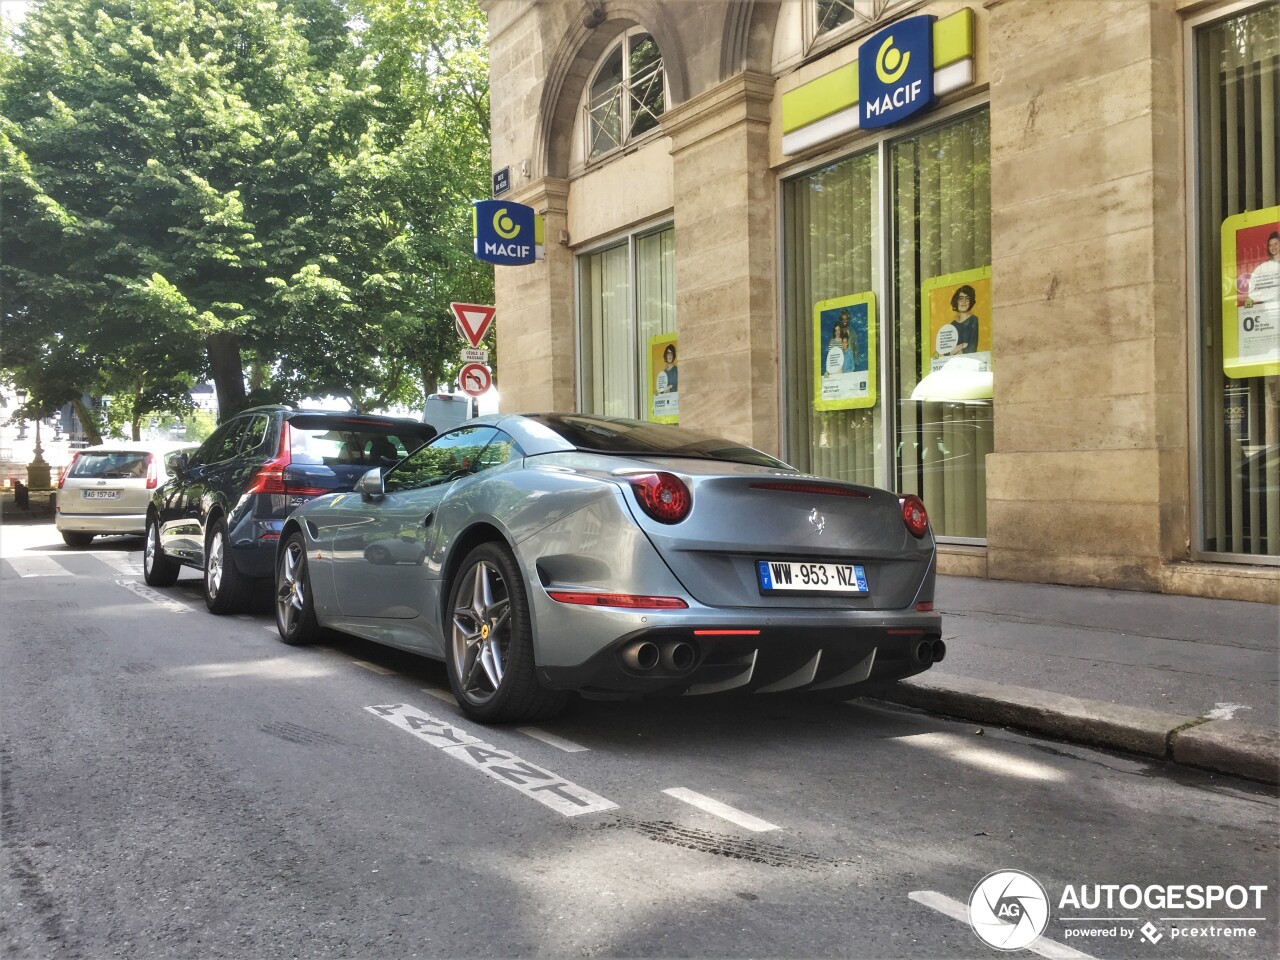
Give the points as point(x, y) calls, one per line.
point(1223, 746)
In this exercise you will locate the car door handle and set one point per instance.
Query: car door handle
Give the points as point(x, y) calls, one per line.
point(428, 519)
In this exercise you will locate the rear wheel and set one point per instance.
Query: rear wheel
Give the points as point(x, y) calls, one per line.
point(226, 589)
point(295, 608)
point(77, 539)
point(157, 569)
point(490, 658)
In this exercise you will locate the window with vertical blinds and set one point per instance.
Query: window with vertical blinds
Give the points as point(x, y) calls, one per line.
point(831, 250)
point(942, 224)
point(1237, 91)
point(626, 296)
point(938, 189)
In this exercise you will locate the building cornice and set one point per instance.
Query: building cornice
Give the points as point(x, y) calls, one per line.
point(746, 98)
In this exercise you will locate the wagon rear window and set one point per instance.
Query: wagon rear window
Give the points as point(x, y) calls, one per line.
point(110, 466)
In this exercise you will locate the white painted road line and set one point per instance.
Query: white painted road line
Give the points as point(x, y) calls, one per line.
point(373, 667)
point(533, 781)
point(38, 566)
point(120, 562)
point(958, 911)
point(445, 695)
point(568, 746)
point(716, 808)
point(159, 599)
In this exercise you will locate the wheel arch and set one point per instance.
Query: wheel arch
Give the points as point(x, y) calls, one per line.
point(482, 531)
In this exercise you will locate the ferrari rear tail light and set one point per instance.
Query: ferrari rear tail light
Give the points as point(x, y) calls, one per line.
point(153, 472)
point(914, 515)
point(67, 469)
point(627, 600)
point(662, 496)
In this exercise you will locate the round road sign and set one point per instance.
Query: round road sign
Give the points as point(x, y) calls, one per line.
point(475, 379)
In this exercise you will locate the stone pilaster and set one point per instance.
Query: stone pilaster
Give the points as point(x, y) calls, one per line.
point(725, 225)
point(1088, 481)
point(535, 320)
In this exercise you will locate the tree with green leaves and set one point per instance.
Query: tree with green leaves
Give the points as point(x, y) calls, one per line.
point(200, 188)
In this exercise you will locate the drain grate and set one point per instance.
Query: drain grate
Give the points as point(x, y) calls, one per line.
point(298, 734)
point(704, 841)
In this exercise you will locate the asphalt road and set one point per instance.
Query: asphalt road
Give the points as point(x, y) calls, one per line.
point(180, 785)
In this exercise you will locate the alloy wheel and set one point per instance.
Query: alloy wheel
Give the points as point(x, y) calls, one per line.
point(213, 575)
point(291, 588)
point(481, 631)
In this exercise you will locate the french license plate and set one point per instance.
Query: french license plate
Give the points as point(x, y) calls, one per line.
point(101, 494)
point(786, 576)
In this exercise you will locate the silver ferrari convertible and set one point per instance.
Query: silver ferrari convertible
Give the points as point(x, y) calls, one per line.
point(544, 554)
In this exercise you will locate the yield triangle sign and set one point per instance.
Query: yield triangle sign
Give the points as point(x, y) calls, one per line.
point(473, 320)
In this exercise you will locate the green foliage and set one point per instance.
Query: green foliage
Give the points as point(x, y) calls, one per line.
point(194, 187)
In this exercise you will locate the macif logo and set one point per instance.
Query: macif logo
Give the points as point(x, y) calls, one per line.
point(504, 232)
point(895, 72)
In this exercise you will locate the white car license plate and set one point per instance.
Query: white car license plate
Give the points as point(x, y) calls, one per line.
point(785, 576)
point(101, 494)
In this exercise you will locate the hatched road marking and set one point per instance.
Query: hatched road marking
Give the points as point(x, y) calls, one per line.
point(120, 562)
point(36, 565)
point(958, 911)
point(723, 810)
point(159, 599)
point(533, 781)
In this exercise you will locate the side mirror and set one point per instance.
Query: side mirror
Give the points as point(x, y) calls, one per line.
point(370, 486)
point(176, 463)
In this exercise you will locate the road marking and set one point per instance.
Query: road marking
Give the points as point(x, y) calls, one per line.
point(120, 562)
point(373, 667)
point(445, 695)
point(38, 566)
point(716, 808)
point(159, 599)
point(958, 911)
point(1225, 711)
point(533, 781)
point(568, 746)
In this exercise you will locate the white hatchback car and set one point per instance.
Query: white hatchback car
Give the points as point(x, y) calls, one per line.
point(106, 489)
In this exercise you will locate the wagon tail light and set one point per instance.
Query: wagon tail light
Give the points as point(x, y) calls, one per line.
point(67, 469)
point(662, 496)
point(153, 472)
point(914, 515)
point(270, 476)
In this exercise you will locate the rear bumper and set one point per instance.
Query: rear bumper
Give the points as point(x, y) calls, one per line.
point(253, 544)
point(777, 659)
point(101, 523)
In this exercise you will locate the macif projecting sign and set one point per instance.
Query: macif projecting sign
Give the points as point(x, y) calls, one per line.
point(895, 72)
point(506, 233)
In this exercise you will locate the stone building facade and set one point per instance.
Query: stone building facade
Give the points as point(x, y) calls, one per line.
point(715, 179)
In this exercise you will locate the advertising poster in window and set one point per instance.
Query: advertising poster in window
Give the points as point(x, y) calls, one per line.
point(844, 352)
point(955, 320)
point(664, 379)
point(1251, 294)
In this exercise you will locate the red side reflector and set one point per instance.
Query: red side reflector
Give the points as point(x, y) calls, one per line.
point(270, 536)
point(726, 633)
point(925, 606)
point(823, 489)
point(627, 600)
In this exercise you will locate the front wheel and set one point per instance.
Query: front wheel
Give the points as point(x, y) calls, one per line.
point(295, 608)
point(157, 569)
point(490, 657)
point(226, 589)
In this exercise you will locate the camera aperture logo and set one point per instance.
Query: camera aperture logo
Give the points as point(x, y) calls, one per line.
point(1008, 909)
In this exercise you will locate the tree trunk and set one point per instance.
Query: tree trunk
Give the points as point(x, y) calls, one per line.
point(228, 372)
point(88, 421)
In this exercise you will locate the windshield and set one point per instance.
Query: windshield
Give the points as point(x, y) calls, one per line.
point(639, 438)
point(110, 466)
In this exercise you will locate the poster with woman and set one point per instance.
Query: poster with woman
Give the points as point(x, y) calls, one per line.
point(955, 319)
point(1251, 294)
point(844, 352)
point(664, 379)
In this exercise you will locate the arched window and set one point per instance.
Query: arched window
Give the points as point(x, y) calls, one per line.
point(627, 94)
point(832, 14)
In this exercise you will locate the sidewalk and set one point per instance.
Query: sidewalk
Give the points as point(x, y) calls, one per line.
point(1186, 679)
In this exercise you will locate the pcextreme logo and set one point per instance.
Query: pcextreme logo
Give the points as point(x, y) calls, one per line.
point(895, 72)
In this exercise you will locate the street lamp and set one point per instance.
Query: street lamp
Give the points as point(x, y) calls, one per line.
point(38, 475)
point(21, 394)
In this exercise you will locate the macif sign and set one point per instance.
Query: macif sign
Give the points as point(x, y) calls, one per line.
point(506, 233)
point(895, 72)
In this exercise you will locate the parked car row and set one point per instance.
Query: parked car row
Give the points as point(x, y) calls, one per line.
point(548, 554)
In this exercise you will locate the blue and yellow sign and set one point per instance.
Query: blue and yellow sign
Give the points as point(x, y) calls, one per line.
point(895, 72)
point(506, 233)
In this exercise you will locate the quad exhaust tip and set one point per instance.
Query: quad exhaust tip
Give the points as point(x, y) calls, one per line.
point(929, 652)
point(675, 656)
